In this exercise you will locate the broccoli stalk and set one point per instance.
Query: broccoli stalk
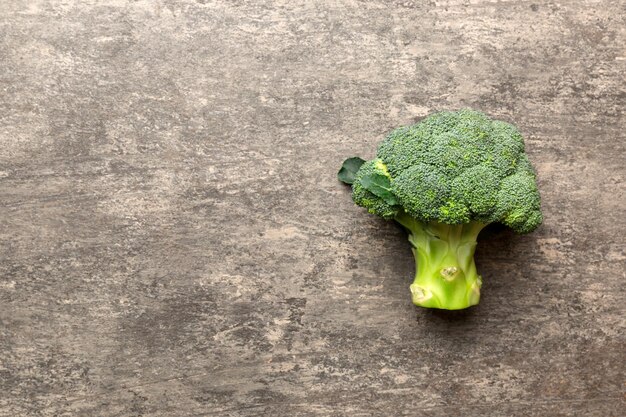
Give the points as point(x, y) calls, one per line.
point(445, 272)
point(444, 179)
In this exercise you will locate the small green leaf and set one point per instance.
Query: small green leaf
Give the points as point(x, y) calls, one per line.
point(348, 170)
point(380, 186)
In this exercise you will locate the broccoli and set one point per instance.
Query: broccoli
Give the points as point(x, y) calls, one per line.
point(444, 179)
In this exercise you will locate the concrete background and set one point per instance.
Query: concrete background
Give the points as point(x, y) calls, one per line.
point(174, 241)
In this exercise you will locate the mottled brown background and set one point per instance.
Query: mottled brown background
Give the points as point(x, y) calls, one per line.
point(174, 241)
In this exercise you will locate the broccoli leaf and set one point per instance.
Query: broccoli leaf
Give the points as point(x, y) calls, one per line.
point(380, 186)
point(349, 168)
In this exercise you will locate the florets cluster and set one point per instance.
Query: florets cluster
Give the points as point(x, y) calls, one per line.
point(454, 168)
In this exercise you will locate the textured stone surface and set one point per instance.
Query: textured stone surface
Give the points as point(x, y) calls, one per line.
point(174, 241)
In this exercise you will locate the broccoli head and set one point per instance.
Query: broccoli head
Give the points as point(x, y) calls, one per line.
point(444, 179)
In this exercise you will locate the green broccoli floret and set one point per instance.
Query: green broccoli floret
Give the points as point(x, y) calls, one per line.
point(444, 179)
point(365, 198)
